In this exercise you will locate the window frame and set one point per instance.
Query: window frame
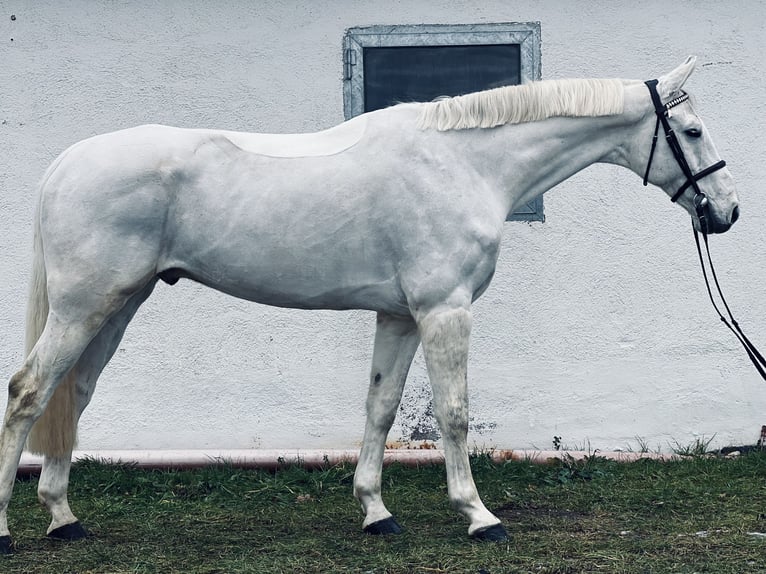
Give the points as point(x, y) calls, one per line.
point(525, 34)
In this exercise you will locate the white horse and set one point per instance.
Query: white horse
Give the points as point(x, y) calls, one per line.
point(399, 211)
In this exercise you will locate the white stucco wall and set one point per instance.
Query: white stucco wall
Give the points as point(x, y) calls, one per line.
point(596, 327)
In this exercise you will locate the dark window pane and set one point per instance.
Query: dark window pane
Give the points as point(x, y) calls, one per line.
point(422, 73)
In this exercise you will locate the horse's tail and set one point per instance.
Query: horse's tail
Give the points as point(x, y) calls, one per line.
point(55, 432)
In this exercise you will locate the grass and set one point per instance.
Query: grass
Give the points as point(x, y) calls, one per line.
point(695, 515)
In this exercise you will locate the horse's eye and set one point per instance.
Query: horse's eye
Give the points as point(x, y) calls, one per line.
point(693, 132)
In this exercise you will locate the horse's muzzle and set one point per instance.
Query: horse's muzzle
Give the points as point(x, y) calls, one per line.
point(709, 220)
point(735, 214)
point(712, 224)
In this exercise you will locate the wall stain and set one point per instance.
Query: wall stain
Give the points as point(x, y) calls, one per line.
point(416, 417)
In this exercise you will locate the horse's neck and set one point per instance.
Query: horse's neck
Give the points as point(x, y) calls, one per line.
point(529, 159)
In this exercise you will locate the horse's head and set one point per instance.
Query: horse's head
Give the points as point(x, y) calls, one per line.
point(681, 157)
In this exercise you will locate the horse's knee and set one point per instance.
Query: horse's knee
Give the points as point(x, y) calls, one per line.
point(381, 412)
point(445, 336)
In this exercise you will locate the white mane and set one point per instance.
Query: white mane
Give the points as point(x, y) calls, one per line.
point(525, 103)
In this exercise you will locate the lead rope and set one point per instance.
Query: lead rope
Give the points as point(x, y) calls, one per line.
point(755, 356)
point(700, 201)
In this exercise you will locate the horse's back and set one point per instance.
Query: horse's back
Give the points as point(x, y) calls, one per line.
point(154, 139)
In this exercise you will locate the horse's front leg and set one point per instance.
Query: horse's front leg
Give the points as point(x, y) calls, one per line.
point(445, 335)
point(396, 340)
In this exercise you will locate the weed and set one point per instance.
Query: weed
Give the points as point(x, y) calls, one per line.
point(643, 445)
point(567, 469)
point(700, 447)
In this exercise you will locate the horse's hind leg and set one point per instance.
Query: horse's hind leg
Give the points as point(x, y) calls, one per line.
point(69, 330)
point(57, 350)
point(54, 480)
point(396, 340)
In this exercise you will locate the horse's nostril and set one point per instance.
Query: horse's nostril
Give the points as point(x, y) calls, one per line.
point(735, 214)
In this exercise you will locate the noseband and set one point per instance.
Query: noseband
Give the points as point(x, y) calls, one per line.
point(700, 206)
point(663, 113)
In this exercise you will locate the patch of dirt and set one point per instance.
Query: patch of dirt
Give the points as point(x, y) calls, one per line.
point(515, 512)
point(541, 518)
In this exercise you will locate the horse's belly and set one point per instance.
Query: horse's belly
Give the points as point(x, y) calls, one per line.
point(309, 261)
point(310, 285)
point(383, 296)
point(288, 232)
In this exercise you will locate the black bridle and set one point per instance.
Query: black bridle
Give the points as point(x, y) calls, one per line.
point(700, 202)
point(663, 113)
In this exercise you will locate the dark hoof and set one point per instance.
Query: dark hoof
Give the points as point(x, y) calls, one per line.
point(494, 533)
point(73, 531)
point(6, 545)
point(386, 526)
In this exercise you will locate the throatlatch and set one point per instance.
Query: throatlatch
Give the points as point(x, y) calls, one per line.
point(700, 206)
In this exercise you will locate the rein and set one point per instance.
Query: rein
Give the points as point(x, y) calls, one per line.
point(701, 206)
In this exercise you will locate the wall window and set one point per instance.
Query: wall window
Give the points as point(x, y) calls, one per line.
point(383, 65)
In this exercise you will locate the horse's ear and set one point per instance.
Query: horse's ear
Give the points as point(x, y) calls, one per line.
point(670, 84)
